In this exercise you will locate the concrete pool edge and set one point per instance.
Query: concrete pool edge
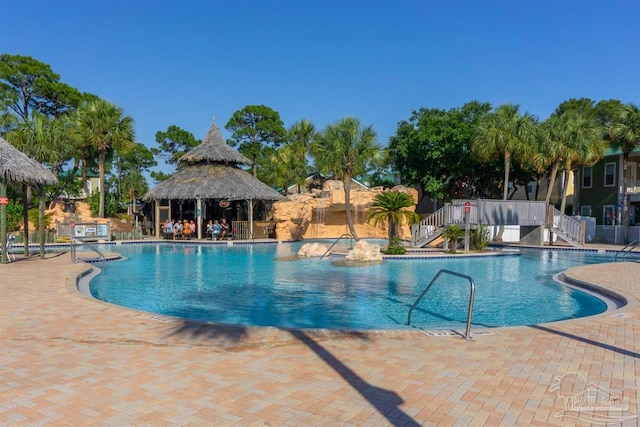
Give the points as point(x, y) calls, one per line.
point(621, 299)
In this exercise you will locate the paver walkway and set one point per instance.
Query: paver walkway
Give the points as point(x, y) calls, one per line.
point(66, 359)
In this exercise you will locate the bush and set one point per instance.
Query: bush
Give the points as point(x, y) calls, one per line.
point(480, 237)
point(395, 248)
point(453, 233)
point(14, 216)
point(34, 218)
point(110, 205)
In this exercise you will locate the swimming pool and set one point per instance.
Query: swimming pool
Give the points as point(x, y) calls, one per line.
point(267, 285)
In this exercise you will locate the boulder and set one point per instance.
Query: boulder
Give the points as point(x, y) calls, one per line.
point(363, 251)
point(312, 250)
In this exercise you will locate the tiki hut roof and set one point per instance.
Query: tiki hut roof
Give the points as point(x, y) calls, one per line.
point(214, 149)
point(212, 181)
point(18, 167)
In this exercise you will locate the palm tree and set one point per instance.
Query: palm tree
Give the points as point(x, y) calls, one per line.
point(300, 136)
point(504, 132)
point(102, 125)
point(389, 206)
point(625, 135)
point(344, 149)
point(580, 143)
point(45, 140)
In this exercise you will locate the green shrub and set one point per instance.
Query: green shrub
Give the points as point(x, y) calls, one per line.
point(34, 217)
point(14, 216)
point(110, 205)
point(480, 237)
point(395, 247)
point(395, 250)
point(453, 233)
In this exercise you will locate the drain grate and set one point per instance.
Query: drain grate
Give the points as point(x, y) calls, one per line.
point(620, 315)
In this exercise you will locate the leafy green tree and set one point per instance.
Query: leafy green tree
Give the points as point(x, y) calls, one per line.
point(130, 166)
point(254, 128)
point(504, 133)
point(300, 136)
point(390, 206)
point(344, 149)
point(28, 85)
point(431, 151)
point(173, 144)
point(45, 140)
point(104, 127)
point(625, 135)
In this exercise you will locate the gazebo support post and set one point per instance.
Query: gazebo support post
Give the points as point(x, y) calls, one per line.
point(156, 203)
point(3, 223)
point(41, 230)
point(199, 217)
point(251, 219)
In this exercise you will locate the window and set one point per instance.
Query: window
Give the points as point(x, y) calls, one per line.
point(587, 174)
point(530, 187)
point(609, 174)
point(585, 210)
point(609, 215)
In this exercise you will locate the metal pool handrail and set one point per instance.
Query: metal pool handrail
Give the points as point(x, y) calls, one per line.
point(630, 247)
point(344, 236)
point(74, 257)
point(471, 298)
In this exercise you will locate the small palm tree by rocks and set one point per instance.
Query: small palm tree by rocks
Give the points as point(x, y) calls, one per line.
point(453, 233)
point(390, 206)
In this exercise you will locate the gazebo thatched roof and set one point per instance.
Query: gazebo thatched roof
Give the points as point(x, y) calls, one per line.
point(214, 149)
point(212, 181)
point(15, 166)
point(211, 173)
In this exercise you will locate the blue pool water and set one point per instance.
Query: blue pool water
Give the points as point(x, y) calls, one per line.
point(267, 285)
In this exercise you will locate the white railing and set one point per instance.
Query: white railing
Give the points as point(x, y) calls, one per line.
point(570, 227)
point(428, 226)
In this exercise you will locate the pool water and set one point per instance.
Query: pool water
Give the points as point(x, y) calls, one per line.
point(267, 285)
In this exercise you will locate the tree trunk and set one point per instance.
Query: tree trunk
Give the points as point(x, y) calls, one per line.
point(347, 204)
point(25, 218)
point(41, 229)
point(625, 205)
point(565, 186)
point(507, 165)
point(101, 167)
point(552, 180)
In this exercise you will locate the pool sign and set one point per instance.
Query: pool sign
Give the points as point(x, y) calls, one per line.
point(4, 200)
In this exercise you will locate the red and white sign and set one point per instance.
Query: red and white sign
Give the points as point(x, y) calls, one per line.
point(467, 207)
point(224, 203)
point(4, 200)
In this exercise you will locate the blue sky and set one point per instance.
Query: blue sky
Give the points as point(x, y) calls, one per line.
point(183, 62)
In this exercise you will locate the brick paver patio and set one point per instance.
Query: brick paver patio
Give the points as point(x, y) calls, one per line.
point(66, 359)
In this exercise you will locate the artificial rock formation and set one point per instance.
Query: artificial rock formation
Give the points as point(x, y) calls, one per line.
point(312, 250)
point(322, 214)
point(363, 251)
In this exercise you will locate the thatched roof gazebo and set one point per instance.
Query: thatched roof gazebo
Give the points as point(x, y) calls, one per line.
point(15, 166)
point(212, 172)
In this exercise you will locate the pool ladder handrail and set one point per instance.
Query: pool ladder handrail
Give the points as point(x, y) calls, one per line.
point(344, 236)
point(626, 250)
point(74, 257)
point(471, 298)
